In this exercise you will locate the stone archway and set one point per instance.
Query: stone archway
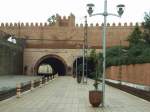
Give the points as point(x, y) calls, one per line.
point(57, 63)
point(76, 62)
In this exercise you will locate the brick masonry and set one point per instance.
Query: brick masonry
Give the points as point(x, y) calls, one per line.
point(64, 34)
point(136, 74)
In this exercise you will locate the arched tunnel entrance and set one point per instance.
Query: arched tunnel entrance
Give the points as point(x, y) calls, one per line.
point(56, 63)
point(76, 65)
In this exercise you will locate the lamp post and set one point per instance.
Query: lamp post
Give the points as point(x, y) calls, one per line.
point(76, 66)
point(120, 11)
point(85, 44)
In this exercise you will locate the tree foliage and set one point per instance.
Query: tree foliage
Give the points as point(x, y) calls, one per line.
point(135, 37)
point(95, 61)
point(147, 21)
point(52, 20)
point(138, 50)
point(138, 36)
point(92, 62)
point(146, 33)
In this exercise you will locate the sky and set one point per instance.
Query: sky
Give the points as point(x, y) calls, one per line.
point(40, 10)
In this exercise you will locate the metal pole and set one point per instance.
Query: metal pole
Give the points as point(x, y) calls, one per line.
point(86, 48)
point(120, 67)
point(83, 63)
point(84, 72)
point(105, 14)
point(104, 51)
point(76, 66)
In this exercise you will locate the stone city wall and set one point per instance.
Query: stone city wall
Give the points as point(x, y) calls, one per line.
point(66, 34)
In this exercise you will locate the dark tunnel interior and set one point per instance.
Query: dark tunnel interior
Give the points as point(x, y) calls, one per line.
point(57, 66)
point(78, 61)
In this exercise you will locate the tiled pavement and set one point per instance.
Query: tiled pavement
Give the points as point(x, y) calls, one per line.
point(65, 95)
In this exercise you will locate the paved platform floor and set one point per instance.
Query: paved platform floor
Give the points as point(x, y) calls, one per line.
point(64, 95)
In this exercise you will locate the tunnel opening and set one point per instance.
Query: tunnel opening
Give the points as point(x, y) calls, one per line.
point(78, 66)
point(53, 65)
point(78, 61)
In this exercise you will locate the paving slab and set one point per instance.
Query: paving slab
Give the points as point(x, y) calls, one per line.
point(64, 94)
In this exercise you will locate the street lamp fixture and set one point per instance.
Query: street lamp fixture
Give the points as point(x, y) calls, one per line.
point(90, 8)
point(120, 10)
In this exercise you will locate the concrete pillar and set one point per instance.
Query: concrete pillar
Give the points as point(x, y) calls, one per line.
point(40, 83)
point(18, 92)
point(32, 85)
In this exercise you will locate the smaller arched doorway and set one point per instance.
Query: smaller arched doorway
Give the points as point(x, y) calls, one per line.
point(78, 61)
point(57, 64)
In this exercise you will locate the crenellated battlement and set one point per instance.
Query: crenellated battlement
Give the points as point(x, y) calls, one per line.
point(63, 21)
point(60, 21)
point(110, 25)
point(25, 24)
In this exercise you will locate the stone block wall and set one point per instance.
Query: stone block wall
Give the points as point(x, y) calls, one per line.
point(11, 58)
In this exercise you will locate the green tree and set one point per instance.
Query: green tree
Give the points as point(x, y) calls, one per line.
point(146, 25)
point(147, 21)
point(92, 60)
point(135, 37)
point(95, 65)
point(52, 20)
